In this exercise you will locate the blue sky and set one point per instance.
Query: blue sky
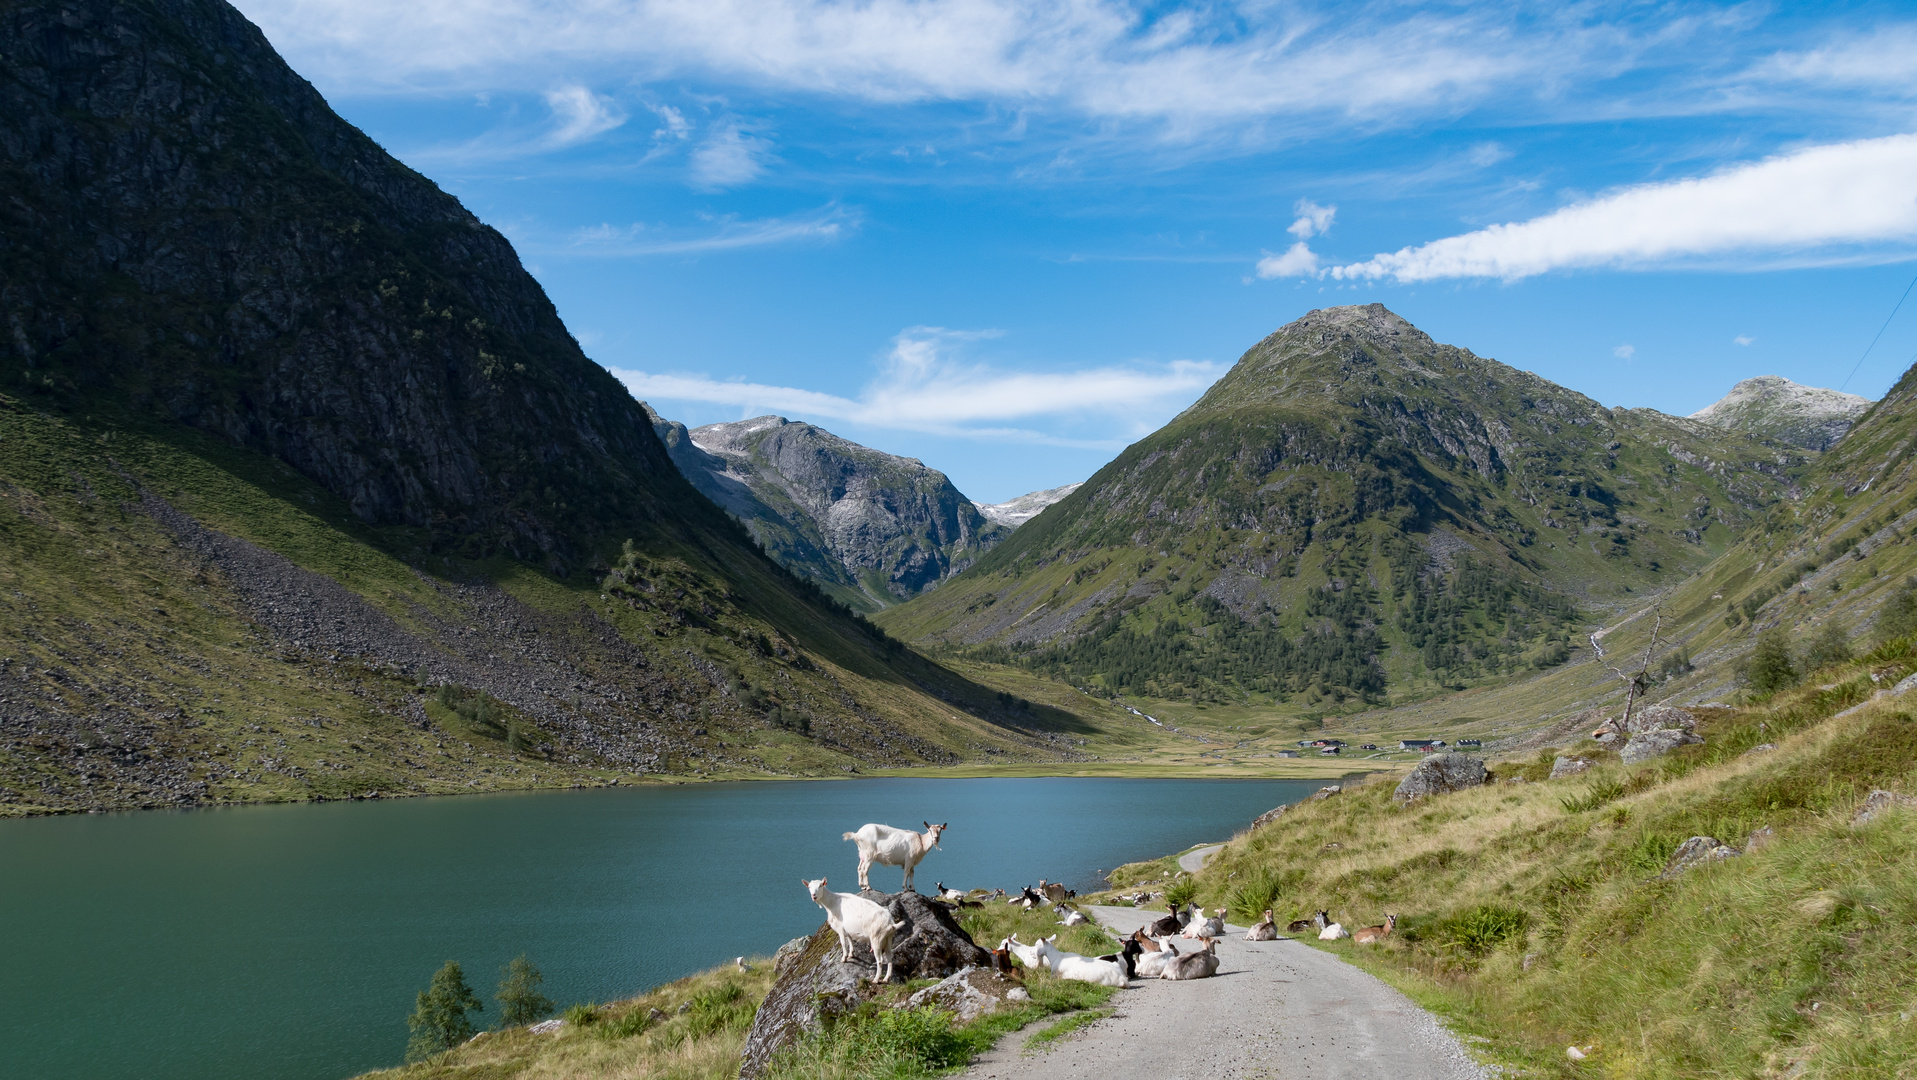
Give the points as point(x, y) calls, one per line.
point(1009, 238)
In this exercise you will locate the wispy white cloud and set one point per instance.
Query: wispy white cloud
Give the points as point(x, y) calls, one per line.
point(1198, 68)
point(1624, 352)
point(824, 225)
point(1743, 339)
point(1841, 196)
point(728, 157)
point(580, 115)
point(672, 123)
point(924, 386)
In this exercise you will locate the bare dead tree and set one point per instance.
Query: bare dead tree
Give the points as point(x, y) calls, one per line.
point(1635, 682)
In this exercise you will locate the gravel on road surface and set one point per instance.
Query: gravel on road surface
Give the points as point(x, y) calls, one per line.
point(1278, 1009)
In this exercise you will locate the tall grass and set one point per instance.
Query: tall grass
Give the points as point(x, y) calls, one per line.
point(1539, 917)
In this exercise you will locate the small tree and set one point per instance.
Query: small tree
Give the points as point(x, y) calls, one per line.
point(520, 1001)
point(1770, 667)
point(1898, 618)
point(439, 1021)
point(1830, 646)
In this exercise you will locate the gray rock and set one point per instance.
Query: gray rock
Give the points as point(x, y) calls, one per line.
point(1270, 816)
point(810, 984)
point(969, 993)
point(1441, 773)
point(1760, 748)
point(831, 509)
point(1569, 766)
point(1695, 852)
point(1877, 802)
point(1659, 718)
point(1652, 744)
point(1905, 685)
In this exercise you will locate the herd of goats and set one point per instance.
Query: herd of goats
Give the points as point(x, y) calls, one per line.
point(1147, 954)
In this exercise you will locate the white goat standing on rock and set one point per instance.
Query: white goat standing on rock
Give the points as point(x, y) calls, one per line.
point(893, 847)
point(854, 917)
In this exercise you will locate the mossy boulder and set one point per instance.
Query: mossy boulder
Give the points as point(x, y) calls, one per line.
point(812, 986)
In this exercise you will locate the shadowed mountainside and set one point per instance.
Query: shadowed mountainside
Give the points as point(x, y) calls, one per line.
point(307, 491)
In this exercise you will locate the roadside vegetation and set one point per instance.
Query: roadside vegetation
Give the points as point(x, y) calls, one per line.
point(1539, 915)
point(695, 1028)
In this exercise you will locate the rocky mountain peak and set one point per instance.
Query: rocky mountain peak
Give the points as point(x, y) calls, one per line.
point(1373, 324)
point(1774, 407)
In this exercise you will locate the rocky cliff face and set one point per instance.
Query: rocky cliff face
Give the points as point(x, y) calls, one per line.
point(1773, 407)
point(878, 528)
point(1015, 512)
point(307, 492)
point(190, 231)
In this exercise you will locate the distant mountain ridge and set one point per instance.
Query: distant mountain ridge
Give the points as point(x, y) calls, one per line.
point(1773, 407)
point(1355, 507)
point(872, 528)
point(1015, 512)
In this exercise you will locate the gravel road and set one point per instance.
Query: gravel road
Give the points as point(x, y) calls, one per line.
point(1194, 860)
point(1275, 1009)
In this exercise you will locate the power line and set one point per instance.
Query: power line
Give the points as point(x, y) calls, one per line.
point(1880, 333)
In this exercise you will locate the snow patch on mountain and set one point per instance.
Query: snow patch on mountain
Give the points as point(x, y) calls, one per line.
point(1015, 512)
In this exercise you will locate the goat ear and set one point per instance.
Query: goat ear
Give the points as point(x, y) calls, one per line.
point(927, 824)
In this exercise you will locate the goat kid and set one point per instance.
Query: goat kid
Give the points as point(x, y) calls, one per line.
point(1071, 916)
point(1079, 968)
point(854, 918)
point(892, 847)
point(1371, 935)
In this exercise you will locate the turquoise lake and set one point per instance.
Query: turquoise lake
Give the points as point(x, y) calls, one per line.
point(288, 941)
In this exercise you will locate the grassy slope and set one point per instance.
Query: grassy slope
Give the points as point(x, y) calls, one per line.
point(617, 1042)
point(1601, 505)
point(107, 616)
point(1537, 926)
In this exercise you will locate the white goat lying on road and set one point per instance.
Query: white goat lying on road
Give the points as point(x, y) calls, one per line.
point(1153, 956)
point(853, 917)
point(1194, 965)
point(1082, 968)
point(1203, 928)
point(893, 847)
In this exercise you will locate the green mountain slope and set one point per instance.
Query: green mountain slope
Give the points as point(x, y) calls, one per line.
point(868, 527)
point(1824, 565)
point(1355, 511)
point(305, 491)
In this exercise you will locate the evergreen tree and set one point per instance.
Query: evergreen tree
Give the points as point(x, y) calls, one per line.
point(520, 1001)
point(1770, 667)
point(439, 1021)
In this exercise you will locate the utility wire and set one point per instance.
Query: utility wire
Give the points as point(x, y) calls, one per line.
point(1880, 333)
